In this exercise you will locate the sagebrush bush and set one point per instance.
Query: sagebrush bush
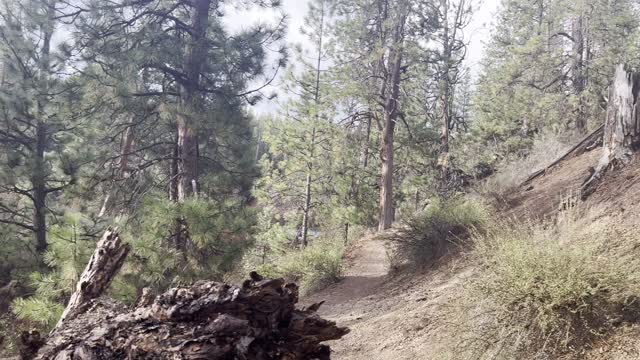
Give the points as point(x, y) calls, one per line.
point(317, 265)
point(547, 289)
point(425, 237)
point(314, 266)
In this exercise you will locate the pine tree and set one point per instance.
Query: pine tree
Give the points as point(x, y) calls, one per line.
point(38, 115)
point(529, 84)
point(376, 54)
point(453, 18)
point(187, 108)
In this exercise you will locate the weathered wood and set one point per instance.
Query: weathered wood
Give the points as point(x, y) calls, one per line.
point(208, 320)
point(588, 143)
point(106, 261)
point(621, 128)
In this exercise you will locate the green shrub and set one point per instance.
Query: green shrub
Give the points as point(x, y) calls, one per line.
point(545, 289)
point(218, 232)
point(427, 236)
point(41, 311)
point(70, 248)
point(313, 267)
point(8, 335)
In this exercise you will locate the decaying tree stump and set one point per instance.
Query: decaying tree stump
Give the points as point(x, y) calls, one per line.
point(621, 128)
point(103, 266)
point(208, 320)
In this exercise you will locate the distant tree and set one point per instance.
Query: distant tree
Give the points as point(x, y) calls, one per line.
point(547, 67)
point(453, 18)
point(371, 38)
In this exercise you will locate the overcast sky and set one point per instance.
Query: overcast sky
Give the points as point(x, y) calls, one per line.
point(475, 35)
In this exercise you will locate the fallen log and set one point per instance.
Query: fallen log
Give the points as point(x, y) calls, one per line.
point(588, 143)
point(207, 320)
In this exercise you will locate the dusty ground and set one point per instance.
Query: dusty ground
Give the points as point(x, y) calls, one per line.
point(617, 195)
point(405, 315)
point(390, 317)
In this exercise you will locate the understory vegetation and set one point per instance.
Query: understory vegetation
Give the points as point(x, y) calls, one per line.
point(514, 169)
point(218, 146)
point(545, 289)
point(312, 267)
point(537, 290)
point(444, 226)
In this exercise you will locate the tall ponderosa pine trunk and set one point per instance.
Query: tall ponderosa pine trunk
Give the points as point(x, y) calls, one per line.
point(452, 55)
point(186, 177)
point(122, 166)
point(39, 174)
point(622, 126)
point(391, 111)
point(312, 146)
point(184, 167)
point(39, 193)
point(307, 192)
point(579, 76)
point(445, 94)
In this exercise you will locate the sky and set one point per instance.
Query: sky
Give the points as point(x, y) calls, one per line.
point(476, 34)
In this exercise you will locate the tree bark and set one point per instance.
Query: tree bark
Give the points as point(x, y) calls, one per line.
point(187, 144)
point(579, 80)
point(122, 165)
point(453, 17)
point(445, 95)
point(386, 178)
point(622, 126)
point(316, 118)
point(391, 111)
point(106, 261)
point(38, 181)
point(306, 209)
point(39, 175)
point(173, 171)
point(207, 320)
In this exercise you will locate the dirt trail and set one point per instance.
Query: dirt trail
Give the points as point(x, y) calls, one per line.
point(411, 315)
point(390, 317)
point(367, 270)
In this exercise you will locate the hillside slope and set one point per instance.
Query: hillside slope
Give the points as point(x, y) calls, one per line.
point(407, 315)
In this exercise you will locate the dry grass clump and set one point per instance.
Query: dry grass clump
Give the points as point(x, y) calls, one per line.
point(427, 236)
point(546, 290)
point(515, 170)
